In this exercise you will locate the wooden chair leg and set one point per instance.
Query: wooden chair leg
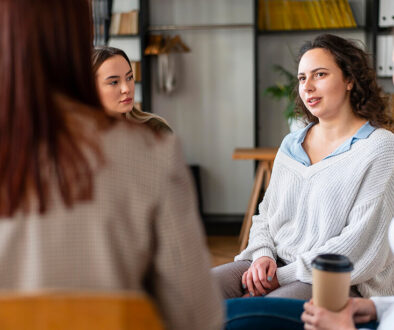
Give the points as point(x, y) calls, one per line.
point(247, 221)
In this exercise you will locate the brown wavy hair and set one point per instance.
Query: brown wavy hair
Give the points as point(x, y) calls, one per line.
point(103, 53)
point(366, 97)
point(45, 75)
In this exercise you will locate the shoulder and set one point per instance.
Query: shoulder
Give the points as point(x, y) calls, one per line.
point(382, 137)
point(380, 144)
point(136, 144)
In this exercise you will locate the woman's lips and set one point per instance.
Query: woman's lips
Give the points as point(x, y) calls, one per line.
point(126, 101)
point(312, 101)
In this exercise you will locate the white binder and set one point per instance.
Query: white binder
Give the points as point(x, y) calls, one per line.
point(386, 13)
point(389, 56)
point(381, 56)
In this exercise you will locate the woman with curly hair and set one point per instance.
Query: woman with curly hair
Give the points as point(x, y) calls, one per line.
point(332, 184)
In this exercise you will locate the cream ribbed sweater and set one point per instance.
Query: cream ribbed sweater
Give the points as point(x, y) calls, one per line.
point(342, 204)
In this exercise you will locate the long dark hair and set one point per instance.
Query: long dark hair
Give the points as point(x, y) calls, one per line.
point(45, 53)
point(366, 96)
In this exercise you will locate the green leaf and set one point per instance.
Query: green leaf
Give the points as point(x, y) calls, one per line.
point(284, 90)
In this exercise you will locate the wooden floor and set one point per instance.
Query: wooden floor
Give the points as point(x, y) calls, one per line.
point(223, 249)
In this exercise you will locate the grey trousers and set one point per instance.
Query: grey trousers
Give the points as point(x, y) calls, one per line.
point(228, 277)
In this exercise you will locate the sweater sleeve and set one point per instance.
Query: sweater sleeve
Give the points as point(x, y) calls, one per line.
point(364, 240)
point(261, 243)
point(180, 275)
point(383, 304)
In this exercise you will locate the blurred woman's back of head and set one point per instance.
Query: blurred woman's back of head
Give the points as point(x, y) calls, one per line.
point(46, 53)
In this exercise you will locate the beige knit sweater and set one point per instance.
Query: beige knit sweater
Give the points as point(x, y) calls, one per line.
point(141, 232)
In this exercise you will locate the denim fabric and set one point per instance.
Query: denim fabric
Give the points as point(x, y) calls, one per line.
point(268, 314)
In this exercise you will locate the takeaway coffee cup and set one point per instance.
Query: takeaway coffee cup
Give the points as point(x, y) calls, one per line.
point(331, 281)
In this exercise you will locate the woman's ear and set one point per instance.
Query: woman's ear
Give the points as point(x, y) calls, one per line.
point(349, 85)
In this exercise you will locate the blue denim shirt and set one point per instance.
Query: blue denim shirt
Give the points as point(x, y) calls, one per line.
point(292, 143)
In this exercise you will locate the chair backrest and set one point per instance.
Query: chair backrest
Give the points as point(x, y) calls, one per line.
point(77, 311)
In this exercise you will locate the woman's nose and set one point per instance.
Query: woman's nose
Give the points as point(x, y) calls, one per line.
point(125, 88)
point(308, 85)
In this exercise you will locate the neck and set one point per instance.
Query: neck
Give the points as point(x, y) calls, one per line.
point(339, 128)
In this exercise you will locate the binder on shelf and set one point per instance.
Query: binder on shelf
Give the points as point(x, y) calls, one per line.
point(287, 22)
point(136, 67)
point(115, 24)
point(384, 49)
point(386, 13)
point(339, 18)
point(312, 13)
point(124, 23)
point(304, 14)
point(347, 14)
point(319, 13)
point(389, 59)
point(302, 17)
point(330, 20)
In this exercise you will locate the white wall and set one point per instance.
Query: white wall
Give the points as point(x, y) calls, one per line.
point(212, 110)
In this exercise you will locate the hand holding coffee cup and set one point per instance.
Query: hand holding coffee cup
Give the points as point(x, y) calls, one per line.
point(331, 281)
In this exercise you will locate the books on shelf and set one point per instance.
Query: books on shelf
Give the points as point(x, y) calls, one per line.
point(304, 14)
point(124, 23)
point(136, 67)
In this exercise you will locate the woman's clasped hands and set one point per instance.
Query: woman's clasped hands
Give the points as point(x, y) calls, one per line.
point(260, 279)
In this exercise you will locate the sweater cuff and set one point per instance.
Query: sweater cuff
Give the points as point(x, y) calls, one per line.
point(286, 274)
point(263, 252)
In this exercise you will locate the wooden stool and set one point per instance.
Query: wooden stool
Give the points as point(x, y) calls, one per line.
point(266, 157)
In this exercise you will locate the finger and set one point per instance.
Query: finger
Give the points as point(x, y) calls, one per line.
point(309, 326)
point(257, 284)
point(361, 318)
point(249, 283)
point(244, 285)
point(262, 276)
point(309, 308)
point(271, 271)
point(307, 318)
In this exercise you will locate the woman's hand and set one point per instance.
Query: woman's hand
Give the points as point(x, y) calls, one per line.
point(318, 318)
point(260, 278)
point(364, 310)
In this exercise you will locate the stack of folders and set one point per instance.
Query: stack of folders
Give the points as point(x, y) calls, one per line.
point(304, 14)
point(124, 23)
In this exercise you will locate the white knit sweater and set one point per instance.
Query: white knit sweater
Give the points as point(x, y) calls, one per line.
point(342, 204)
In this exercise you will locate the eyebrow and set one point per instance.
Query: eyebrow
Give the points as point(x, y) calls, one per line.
point(117, 77)
point(112, 77)
point(313, 71)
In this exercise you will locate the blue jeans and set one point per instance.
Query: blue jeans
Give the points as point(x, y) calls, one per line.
point(269, 314)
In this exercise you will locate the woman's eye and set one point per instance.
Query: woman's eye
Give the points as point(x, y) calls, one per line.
point(320, 74)
point(129, 78)
point(300, 79)
point(113, 83)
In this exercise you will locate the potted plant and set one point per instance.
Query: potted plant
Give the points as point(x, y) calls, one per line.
point(286, 91)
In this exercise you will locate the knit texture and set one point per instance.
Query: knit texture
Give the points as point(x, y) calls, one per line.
point(141, 232)
point(342, 204)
